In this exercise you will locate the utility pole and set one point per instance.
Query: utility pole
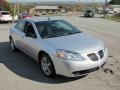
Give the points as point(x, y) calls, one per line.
point(15, 5)
point(18, 8)
point(93, 4)
point(105, 3)
point(105, 8)
point(79, 2)
point(93, 8)
point(2, 5)
point(79, 5)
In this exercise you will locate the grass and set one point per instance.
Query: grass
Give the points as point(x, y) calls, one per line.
point(113, 18)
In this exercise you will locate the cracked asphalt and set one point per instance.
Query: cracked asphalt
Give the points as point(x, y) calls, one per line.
point(19, 72)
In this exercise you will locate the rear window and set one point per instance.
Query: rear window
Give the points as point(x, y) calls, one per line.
point(89, 11)
point(5, 13)
point(25, 14)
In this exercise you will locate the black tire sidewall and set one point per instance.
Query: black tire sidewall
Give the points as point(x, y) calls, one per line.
point(11, 41)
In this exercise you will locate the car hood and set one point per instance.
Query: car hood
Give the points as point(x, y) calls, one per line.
point(81, 43)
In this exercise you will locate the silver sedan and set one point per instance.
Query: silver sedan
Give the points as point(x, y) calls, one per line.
point(59, 47)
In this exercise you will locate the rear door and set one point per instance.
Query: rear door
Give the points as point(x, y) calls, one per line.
point(18, 34)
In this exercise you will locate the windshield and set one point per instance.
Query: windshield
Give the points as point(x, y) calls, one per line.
point(56, 28)
point(5, 13)
point(88, 11)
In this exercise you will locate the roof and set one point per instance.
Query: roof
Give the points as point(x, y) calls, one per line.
point(38, 19)
point(46, 7)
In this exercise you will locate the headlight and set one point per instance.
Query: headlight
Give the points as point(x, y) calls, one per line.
point(69, 55)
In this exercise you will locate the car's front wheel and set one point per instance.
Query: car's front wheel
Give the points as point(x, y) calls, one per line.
point(47, 65)
point(12, 45)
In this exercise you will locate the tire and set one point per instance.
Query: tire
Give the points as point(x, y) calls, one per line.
point(10, 21)
point(12, 45)
point(47, 66)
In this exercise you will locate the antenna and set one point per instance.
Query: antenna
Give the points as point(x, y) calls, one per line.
point(48, 18)
point(18, 7)
point(2, 4)
point(79, 2)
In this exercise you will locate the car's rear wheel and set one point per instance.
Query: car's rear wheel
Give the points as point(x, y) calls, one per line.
point(47, 65)
point(12, 45)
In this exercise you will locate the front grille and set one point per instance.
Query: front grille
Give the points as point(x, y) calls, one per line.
point(101, 54)
point(93, 57)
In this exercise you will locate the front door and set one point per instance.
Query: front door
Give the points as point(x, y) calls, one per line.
point(30, 40)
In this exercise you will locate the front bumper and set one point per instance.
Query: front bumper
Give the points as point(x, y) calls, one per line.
point(78, 68)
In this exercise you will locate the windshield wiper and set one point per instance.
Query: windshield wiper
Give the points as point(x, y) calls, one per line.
point(51, 36)
point(47, 37)
point(73, 33)
point(65, 34)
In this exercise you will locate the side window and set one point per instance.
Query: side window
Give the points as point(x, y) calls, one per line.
point(29, 29)
point(21, 25)
point(40, 27)
point(47, 30)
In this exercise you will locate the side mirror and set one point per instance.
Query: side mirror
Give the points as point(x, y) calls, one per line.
point(30, 35)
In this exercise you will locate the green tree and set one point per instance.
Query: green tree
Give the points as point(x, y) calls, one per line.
point(5, 5)
point(116, 2)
